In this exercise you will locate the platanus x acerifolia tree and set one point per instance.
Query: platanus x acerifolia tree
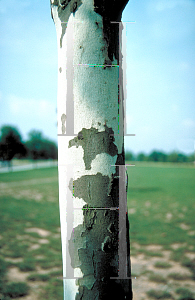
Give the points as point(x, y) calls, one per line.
point(92, 183)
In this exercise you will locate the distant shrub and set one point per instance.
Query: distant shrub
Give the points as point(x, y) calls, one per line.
point(185, 294)
point(159, 294)
point(16, 289)
point(162, 264)
point(189, 264)
point(157, 278)
point(178, 276)
point(159, 156)
point(3, 266)
point(27, 265)
point(38, 277)
point(129, 156)
point(54, 290)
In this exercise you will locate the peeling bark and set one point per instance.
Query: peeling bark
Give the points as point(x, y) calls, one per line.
point(89, 157)
point(94, 143)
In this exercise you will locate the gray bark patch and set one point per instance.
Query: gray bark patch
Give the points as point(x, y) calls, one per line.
point(111, 11)
point(86, 188)
point(63, 119)
point(85, 247)
point(93, 246)
point(94, 142)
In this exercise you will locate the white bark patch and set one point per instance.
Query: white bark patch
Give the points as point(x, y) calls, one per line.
point(70, 289)
point(101, 162)
point(78, 213)
point(77, 272)
point(96, 96)
point(57, 22)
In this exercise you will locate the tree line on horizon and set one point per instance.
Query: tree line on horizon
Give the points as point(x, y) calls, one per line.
point(38, 147)
point(158, 156)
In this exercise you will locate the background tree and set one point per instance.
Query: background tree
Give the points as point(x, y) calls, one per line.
point(11, 143)
point(142, 157)
point(178, 157)
point(91, 149)
point(191, 158)
point(33, 144)
point(157, 156)
point(39, 147)
point(129, 156)
point(49, 150)
point(173, 157)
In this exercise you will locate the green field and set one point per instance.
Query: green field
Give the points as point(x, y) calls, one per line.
point(161, 211)
point(161, 197)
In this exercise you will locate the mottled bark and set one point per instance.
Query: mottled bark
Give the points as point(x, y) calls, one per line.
point(90, 97)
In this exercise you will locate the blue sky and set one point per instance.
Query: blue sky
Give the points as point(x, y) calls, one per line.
point(160, 72)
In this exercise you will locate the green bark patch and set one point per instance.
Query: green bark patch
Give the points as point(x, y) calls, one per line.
point(94, 142)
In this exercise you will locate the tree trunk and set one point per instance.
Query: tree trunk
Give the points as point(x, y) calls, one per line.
point(94, 223)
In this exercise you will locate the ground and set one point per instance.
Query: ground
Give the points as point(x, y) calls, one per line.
point(163, 262)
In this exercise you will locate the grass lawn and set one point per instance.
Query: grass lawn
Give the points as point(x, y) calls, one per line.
point(30, 239)
point(161, 210)
point(161, 202)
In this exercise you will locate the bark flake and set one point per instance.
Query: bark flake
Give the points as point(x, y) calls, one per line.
point(94, 142)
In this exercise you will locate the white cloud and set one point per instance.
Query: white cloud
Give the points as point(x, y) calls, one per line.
point(145, 131)
point(129, 119)
point(171, 20)
point(188, 123)
point(170, 4)
point(174, 108)
point(162, 5)
point(6, 6)
point(183, 66)
point(186, 145)
point(29, 106)
point(29, 113)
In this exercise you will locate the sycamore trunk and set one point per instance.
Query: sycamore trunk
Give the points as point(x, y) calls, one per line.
point(94, 225)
